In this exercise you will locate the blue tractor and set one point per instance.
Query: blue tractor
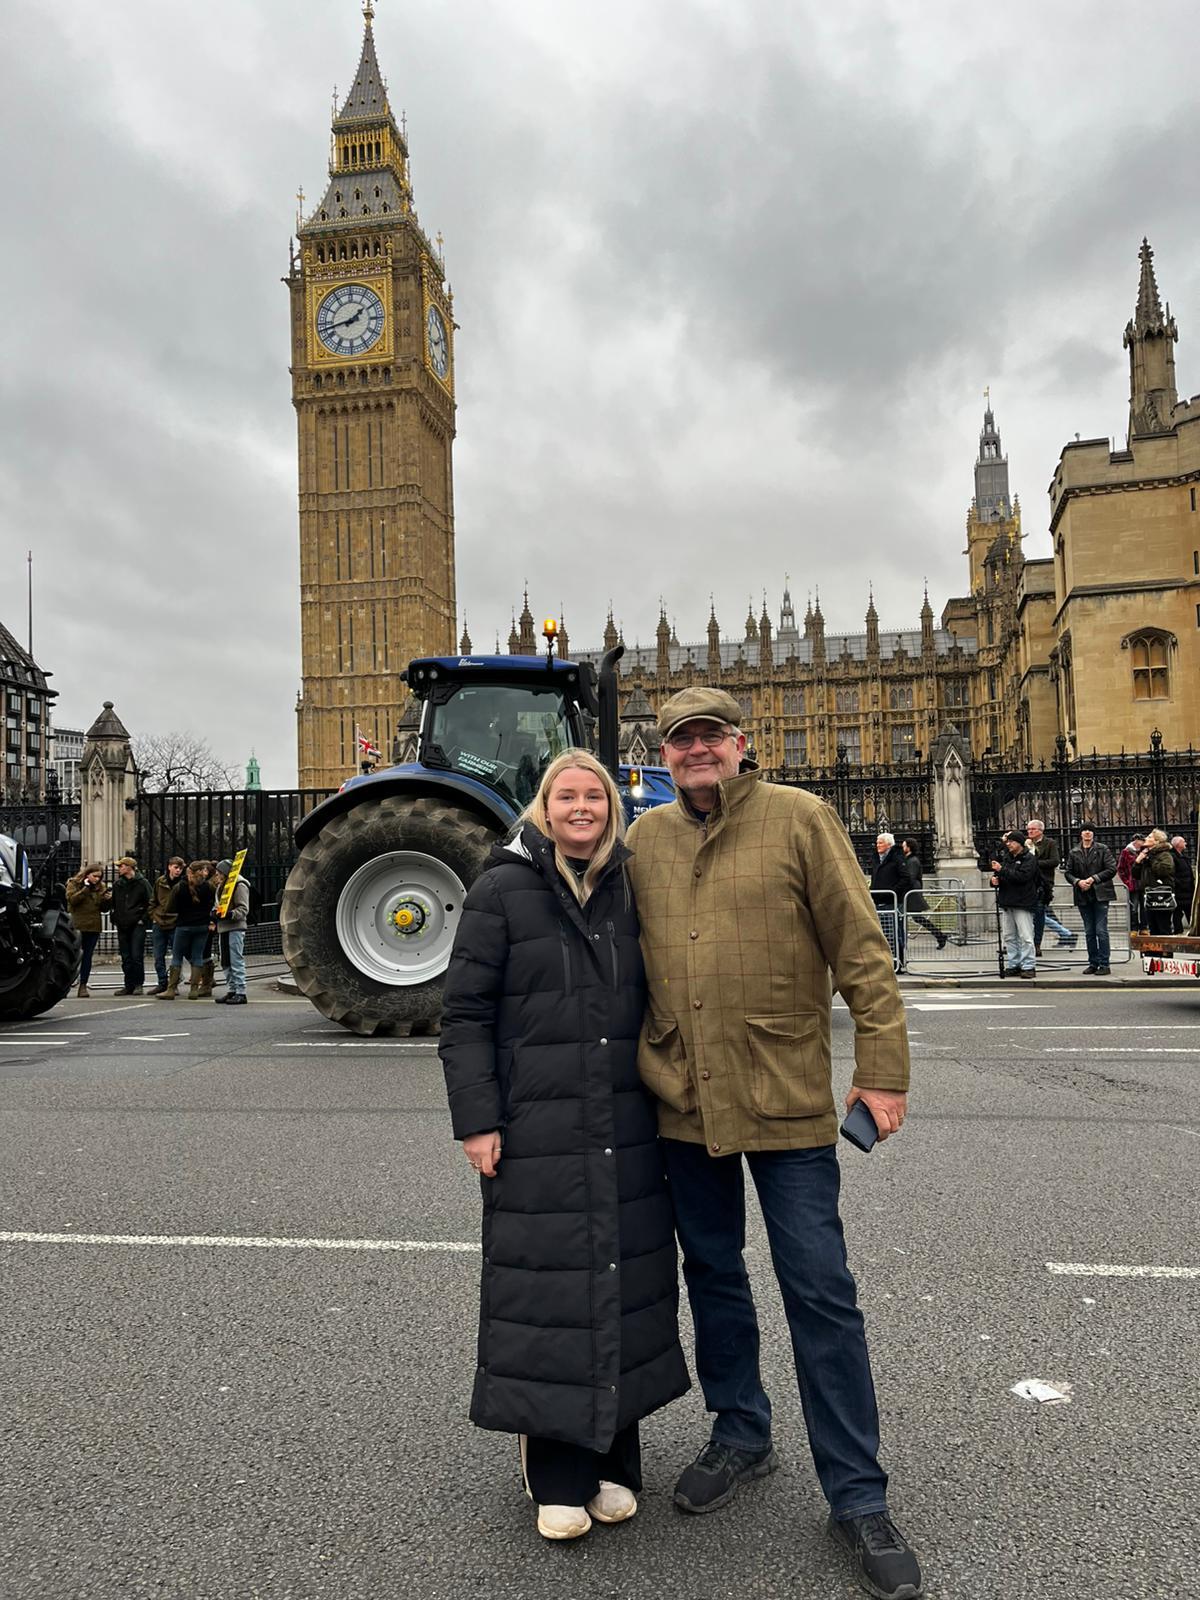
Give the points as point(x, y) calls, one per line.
point(371, 906)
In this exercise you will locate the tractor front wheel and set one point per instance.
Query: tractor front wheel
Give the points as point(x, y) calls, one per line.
point(371, 908)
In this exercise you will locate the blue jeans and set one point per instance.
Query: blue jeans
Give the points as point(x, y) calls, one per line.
point(1043, 920)
point(1016, 926)
point(1095, 930)
point(233, 960)
point(88, 943)
point(188, 945)
point(798, 1193)
point(162, 940)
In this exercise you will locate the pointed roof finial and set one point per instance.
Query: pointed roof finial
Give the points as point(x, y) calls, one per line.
point(369, 12)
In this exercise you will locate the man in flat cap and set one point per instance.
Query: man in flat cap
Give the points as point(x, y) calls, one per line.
point(749, 895)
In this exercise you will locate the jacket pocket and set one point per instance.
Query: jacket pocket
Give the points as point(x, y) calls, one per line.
point(788, 1075)
point(662, 1063)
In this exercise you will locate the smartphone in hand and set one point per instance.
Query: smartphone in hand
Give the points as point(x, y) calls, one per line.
point(860, 1128)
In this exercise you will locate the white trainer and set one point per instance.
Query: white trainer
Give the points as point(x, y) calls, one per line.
point(614, 1503)
point(563, 1522)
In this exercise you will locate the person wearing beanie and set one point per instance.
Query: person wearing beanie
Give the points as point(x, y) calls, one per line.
point(232, 931)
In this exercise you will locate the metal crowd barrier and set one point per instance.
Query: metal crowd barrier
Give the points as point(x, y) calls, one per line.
point(959, 932)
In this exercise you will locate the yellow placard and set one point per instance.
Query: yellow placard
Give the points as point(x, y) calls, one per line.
point(230, 884)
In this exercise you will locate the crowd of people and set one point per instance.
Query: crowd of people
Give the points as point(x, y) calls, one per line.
point(629, 1027)
point(1157, 872)
point(183, 914)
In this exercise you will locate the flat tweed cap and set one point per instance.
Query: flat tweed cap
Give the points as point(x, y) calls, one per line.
point(698, 705)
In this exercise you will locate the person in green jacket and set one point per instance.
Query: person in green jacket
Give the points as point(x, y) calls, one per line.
point(88, 898)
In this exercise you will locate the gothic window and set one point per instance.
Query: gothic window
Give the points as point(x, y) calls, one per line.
point(991, 628)
point(904, 741)
point(358, 194)
point(1151, 668)
point(849, 738)
point(900, 697)
point(337, 194)
point(991, 685)
point(793, 702)
point(846, 700)
point(954, 692)
point(747, 706)
point(795, 749)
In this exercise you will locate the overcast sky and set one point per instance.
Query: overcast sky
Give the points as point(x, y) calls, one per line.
point(731, 277)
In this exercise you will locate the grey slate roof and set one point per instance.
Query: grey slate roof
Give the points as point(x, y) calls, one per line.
point(367, 99)
point(19, 669)
point(340, 197)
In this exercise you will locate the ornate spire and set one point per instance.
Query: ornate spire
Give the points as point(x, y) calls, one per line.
point(1149, 338)
point(528, 641)
point(464, 644)
point(611, 637)
point(368, 93)
point(992, 503)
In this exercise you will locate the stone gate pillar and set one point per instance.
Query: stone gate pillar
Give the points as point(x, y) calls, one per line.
point(107, 780)
point(955, 852)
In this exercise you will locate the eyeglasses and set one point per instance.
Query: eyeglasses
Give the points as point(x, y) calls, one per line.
point(710, 739)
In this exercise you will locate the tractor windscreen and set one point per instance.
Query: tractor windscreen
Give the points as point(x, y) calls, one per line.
point(502, 735)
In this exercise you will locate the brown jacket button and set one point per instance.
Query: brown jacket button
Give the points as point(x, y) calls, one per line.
point(693, 934)
point(696, 872)
point(706, 1074)
point(697, 1005)
point(716, 1147)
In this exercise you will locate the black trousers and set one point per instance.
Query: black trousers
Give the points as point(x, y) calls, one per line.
point(560, 1474)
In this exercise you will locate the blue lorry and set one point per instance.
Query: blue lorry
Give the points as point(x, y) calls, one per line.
point(371, 906)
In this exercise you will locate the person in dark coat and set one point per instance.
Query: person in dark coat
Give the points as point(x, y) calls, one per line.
point(914, 902)
point(1090, 870)
point(578, 1328)
point(130, 908)
point(192, 904)
point(1185, 885)
point(1155, 868)
point(889, 885)
point(1016, 880)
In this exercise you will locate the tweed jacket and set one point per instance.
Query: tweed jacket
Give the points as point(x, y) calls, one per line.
point(742, 919)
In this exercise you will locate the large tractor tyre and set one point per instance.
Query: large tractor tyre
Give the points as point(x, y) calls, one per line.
point(371, 907)
point(47, 982)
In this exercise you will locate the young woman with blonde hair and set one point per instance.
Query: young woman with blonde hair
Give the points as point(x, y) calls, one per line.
point(578, 1333)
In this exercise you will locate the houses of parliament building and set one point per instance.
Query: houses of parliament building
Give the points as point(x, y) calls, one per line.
point(1097, 644)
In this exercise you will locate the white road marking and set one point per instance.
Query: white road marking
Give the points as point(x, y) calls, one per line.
point(33, 1039)
point(217, 1241)
point(970, 1005)
point(45, 1035)
point(1121, 1050)
point(356, 1044)
point(151, 1038)
point(1093, 1027)
point(1079, 1269)
point(113, 1010)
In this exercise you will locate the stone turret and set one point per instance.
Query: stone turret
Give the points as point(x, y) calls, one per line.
point(714, 643)
point(663, 635)
point(1150, 338)
point(872, 628)
point(765, 656)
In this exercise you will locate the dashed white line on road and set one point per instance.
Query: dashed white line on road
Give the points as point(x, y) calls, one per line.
point(356, 1044)
point(1093, 1027)
point(1121, 1050)
point(218, 1241)
point(142, 1005)
point(38, 1039)
point(45, 1035)
point(1079, 1269)
point(912, 1005)
point(150, 1038)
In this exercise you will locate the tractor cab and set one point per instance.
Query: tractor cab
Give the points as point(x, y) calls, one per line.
point(501, 720)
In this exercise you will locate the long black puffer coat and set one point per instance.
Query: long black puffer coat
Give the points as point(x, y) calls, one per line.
point(578, 1332)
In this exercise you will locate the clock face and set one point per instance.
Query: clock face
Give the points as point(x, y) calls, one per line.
point(350, 319)
point(439, 343)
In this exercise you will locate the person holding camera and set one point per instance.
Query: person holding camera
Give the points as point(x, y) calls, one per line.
point(1046, 852)
point(1016, 881)
point(87, 900)
point(130, 907)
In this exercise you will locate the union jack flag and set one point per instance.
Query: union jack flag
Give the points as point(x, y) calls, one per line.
point(365, 748)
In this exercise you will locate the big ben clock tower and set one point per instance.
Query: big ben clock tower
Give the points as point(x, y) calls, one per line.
point(373, 386)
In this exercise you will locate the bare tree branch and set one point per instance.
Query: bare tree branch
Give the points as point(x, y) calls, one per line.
point(181, 763)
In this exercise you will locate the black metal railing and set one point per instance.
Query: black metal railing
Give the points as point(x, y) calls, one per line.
point(1115, 795)
point(49, 833)
point(872, 799)
point(211, 824)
